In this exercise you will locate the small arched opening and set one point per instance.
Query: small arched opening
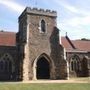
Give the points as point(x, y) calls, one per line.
point(43, 26)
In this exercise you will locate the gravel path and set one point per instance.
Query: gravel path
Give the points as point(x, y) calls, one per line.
point(82, 80)
point(58, 81)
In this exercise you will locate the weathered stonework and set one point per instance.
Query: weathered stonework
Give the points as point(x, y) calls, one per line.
point(37, 44)
point(84, 64)
point(9, 53)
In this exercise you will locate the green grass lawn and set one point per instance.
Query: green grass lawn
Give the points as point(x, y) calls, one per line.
point(61, 86)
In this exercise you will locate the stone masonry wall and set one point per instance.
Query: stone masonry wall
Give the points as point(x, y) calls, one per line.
point(38, 43)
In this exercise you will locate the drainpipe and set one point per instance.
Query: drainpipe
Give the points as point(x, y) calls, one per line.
point(60, 37)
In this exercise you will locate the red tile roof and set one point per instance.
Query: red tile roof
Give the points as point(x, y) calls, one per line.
point(80, 45)
point(7, 39)
point(66, 44)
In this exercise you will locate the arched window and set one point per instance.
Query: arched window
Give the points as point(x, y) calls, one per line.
point(43, 26)
point(1, 66)
point(75, 64)
point(6, 64)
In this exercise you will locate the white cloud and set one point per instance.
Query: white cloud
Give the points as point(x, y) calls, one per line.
point(67, 6)
point(78, 21)
point(71, 8)
point(74, 32)
point(76, 27)
point(12, 5)
point(78, 24)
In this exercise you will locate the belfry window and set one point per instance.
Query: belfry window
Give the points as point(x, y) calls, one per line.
point(43, 26)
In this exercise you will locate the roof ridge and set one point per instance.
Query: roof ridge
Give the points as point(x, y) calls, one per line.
point(6, 32)
point(70, 42)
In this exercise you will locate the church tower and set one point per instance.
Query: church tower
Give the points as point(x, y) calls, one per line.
point(42, 55)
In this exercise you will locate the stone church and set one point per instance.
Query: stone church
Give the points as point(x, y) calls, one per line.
point(35, 52)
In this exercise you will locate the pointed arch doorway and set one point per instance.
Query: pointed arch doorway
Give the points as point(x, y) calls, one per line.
point(43, 69)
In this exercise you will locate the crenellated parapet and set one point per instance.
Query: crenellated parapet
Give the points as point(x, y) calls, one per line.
point(37, 11)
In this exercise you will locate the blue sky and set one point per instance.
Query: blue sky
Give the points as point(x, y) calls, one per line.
point(73, 15)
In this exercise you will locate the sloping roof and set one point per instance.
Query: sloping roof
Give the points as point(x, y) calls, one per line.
point(7, 39)
point(80, 45)
point(66, 44)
